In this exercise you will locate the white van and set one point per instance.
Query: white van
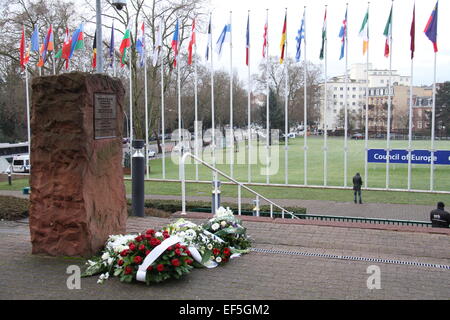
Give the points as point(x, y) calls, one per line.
point(21, 163)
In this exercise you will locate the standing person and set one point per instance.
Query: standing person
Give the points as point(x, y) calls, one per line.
point(439, 217)
point(357, 183)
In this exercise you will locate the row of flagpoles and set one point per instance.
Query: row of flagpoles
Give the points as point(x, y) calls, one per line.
point(76, 42)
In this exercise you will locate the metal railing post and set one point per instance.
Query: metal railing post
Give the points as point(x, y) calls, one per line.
point(239, 200)
point(183, 183)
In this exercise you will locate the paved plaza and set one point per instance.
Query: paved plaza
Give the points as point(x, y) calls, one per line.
point(288, 261)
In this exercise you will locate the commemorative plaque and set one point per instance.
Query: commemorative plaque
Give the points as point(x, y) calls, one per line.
point(105, 116)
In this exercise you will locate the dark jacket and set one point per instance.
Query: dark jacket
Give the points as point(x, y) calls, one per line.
point(357, 182)
point(440, 218)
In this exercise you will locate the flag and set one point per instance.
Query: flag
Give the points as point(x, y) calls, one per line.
point(209, 39)
point(94, 51)
point(388, 33)
point(175, 43)
point(64, 52)
point(364, 32)
point(300, 36)
point(126, 43)
point(324, 35)
point(22, 49)
point(412, 32)
point(247, 41)
point(48, 44)
point(35, 40)
point(140, 46)
point(431, 27)
point(77, 40)
point(225, 36)
point(158, 42)
point(343, 35)
point(111, 46)
point(41, 58)
point(283, 39)
point(266, 27)
point(191, 43)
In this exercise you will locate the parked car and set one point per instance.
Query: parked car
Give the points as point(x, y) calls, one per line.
point(21, 163)
point(151, 153)
point(358, 136)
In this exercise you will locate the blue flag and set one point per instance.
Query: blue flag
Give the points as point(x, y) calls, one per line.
point(343, 35)
point(225, 36)
point(300, 36)
point(111, 46)
point(35, 40)
point(431, 28)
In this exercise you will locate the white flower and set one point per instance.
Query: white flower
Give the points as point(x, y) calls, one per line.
point(218, 259)
point(158, 234)
point(105, 256)
point(215, 226)
point(209, 246)
point(110, 261)
point(223, 223)
point(221, 212)
point(91, 263)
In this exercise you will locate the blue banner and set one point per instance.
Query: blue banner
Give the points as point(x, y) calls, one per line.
point(401, 156)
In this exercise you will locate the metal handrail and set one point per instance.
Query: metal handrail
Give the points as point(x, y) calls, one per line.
point(183, 185)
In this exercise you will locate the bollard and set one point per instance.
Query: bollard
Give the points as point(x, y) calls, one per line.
point(256, 207)
point(215, 196)
point(137, 177)
point(9, 177)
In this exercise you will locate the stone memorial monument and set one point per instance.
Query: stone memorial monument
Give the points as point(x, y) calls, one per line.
point(77, 191)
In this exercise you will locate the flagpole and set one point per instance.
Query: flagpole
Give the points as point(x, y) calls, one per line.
point(410, 124)
point(433, 116)
point(131, 108)
point(249, 132)
point(286, 115)
point(146, 107)
point(305, 118)
point(267, 100)
point(345, 101)
point(179, 106)
point(366, 129)
point(231, 133)
point(28, 110)
point(213, 132)
point(196, 133)
point(163, 129)
point(388, 137)
point(325, 127)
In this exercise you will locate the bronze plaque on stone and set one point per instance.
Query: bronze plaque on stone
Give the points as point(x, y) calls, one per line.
point(105, 116)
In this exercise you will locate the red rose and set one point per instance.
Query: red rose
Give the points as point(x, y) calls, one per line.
point(189, 261)
point(132, 246)
point(178, 246)
point(148, 237)
point(170, 248)
point(160, 267)
point(124, 253)
point(120, 262)
point(224, 260)
point(128, 270)
point(187, 252)
point(183, 247)
point(150, 231)
point(178, 252)
point(138, 238)
point(154, 242)
point(166, 235)
point(142, 247)
point(147, 252)
point(137, 259)
point(150, 268)
point(216, 251)
point(176, 262)
point(227, 251)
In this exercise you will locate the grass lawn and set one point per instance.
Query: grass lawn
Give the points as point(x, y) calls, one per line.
point(196, 189)
point(420, 176)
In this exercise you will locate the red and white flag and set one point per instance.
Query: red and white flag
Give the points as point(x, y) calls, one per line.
point(266, 27)
point(191, 43)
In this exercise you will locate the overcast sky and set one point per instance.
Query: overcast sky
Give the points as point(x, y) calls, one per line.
point(379, 11)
